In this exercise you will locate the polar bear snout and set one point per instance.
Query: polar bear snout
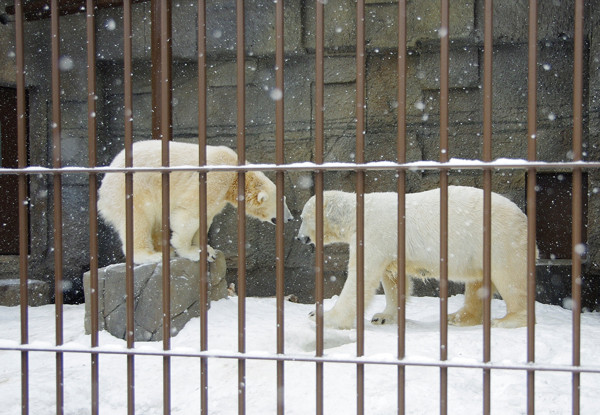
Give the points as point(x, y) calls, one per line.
point(287, 215)
point(304, 239)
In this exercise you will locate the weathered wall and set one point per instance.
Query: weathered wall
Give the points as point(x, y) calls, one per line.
point(466, 109)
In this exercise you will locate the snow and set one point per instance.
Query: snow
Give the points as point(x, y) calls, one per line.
point(465, 349)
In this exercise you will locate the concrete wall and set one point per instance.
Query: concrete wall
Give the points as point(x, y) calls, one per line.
point(466, 109)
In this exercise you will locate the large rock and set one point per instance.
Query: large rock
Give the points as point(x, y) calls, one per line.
point(148, 322)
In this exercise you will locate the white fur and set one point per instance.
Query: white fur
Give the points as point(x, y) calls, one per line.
point(184, 197)
point(465, 249)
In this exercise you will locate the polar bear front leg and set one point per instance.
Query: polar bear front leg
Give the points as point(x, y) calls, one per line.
point(184, 226)
point(343, 314)
point(390, 314)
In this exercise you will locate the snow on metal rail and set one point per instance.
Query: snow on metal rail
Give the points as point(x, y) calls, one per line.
point(453, 164)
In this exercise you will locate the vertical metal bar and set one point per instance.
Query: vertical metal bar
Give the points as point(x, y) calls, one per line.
point(129, 281)
point(444, 74)
point(241, 150)
point(203, 228)
point(279, 159)
point(56, 163)
point(531, 199)
point(166, 133)
point(319, 185)
point(401, 155)
point(93, 197)
point(156, 76)
point(360, 202)
point(487, 199)
point(577, 243)
point(23, 206)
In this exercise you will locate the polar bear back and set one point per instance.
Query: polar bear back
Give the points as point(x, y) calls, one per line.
point(147, 186)
point(465, 230)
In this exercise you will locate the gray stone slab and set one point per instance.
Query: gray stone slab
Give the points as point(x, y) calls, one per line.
point(38, 292)
point(148, 320)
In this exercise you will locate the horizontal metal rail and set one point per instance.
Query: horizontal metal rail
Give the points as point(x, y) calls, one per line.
point(391, 360)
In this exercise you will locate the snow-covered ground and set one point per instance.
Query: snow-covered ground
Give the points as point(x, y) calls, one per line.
point(553, 347)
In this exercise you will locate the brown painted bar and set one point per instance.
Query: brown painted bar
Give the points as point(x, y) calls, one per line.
point(577, 207)
point(360, 202)
point(129, 287)
point(319, 185)
point(166, 133)
point(444, 75)
point(487, 199)
point(279, 159)
point(241, 212)
point(93, 199)
point(203, 228)
point(401, 189)
point(531, 199)
point(38, 9)
point(23, 207)
point(57, 200)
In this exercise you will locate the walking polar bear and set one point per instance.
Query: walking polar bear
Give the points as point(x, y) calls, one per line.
point(184, 205)
point(465, 249)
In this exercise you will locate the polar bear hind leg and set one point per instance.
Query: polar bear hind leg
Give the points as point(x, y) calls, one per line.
point(143, 243)
point(514, 294)
point(471, 312)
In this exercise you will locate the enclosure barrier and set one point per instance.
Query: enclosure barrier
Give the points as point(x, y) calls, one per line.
point(162, 124)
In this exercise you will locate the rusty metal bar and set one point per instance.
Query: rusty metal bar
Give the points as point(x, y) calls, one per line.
point(203, 228)
point(360, 202)
point(57, 200)
point(531, 199)
point(487, 198)
point(166, 133)
point(319, 185)
point(401, 189)
point(241, 214)
point(279, 159)
point(578, 247)
point(444, 75)
point(129, 281)
point(23, 206)
point(93, 199)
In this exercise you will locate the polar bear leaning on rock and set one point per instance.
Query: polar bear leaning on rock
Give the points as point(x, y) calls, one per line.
point(465, 249)
point(221, 189)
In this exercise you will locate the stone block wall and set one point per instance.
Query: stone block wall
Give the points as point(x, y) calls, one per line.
point(466, 109)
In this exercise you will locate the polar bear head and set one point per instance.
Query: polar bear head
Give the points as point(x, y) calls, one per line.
point(261, 198)
point(339, 218)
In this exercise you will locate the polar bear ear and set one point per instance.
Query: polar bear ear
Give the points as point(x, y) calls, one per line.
point(262, 197)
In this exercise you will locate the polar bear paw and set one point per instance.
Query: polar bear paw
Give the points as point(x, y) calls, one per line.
point(464, 318)
point(193, 253)
point(147, 257)
point(383, 318)
point(332, 319)
point(511, 320)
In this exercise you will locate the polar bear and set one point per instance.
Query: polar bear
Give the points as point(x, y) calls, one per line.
point(465, 249)
point(221, 189)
